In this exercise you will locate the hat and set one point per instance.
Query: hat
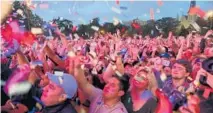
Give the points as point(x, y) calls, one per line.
point(164, 55)
point(186, 64)
point(123, 51)
point(65, 81)
point(208, 65)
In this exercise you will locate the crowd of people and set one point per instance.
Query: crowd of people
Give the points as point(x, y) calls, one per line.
point(108, 73)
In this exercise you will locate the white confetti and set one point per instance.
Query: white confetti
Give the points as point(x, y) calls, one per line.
point(58, 73)
point(116, 10)
point(19, 11)
point(118, 73)
point(3, 83)
point(76, 36)
point(158, 11)
point(71, 54)
point(36, 30)
point(114, 67)
point(94, 71)
point(163, 77)
point(115, 21)
point(19, 88)
point(60, 80)
point(95, 28)
point(196, 26)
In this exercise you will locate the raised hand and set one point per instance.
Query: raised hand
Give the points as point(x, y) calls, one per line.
point(210, 32)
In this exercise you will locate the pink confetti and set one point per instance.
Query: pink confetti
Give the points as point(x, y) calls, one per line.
point(160, 2)
point(117, 2)
point(152, 14)
point(44, 6)
point(19, 75)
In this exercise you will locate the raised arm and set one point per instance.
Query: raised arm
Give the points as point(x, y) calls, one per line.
point(53, 56)
point(84, 85)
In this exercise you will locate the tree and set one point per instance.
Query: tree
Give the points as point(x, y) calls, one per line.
point(95, 22)
point(28, 20)
point(64, 25)
point(167, 24)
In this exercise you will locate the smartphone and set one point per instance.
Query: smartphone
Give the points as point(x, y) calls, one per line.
point(165, 63)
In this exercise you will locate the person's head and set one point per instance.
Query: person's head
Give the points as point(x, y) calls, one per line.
point(116, 87)
point(208, 51)
point(60, 88)
point(140, 80)
point(158, 63)
point(181, 69)
point(53, 94)
point(128, 68)
point(100, 67)
point(187, 54)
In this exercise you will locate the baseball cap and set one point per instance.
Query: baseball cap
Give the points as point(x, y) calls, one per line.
point(164, 55)
point(65, 81)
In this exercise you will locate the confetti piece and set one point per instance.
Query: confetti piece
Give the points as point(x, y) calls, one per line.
point(158, 11)
point(94, 71)
point(95, 28)
point(151, 13)
point(19, 88)
point(116, 10)
point(71, 54)
point(82, 67)
point(3, 83)
point(33, 6)
point(114, 67)
point(117, 2)
point(44, 6)
point(61, 18)
point(115, 21)
point(123, 7)
point(196, 26)
point(196, 83)
point(118, 73)
point(159, 2)
point(76, 36)
point(163, 77)
point(36, 30)
point(69, 10)
point(60, 80)
point(20, 12)
point(58, 73)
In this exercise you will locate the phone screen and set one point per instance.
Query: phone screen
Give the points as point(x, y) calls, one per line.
point(166, 63)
